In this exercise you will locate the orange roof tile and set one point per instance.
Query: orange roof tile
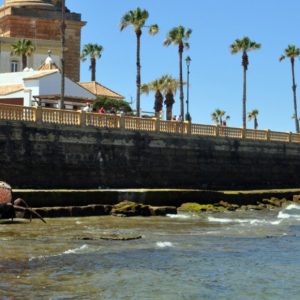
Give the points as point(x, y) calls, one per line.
point(98, 89)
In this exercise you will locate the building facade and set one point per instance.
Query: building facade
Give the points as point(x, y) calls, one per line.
point(40, 22)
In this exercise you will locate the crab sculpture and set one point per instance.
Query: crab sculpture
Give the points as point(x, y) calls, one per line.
point(8, 207)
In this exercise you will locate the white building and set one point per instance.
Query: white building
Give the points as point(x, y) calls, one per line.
point(43, 88)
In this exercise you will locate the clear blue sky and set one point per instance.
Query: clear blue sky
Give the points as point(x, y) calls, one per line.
point(216, 75)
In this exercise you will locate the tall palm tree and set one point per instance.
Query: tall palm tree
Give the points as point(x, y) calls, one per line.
point(244, 45)
point(93, 51)
point(292, 52)
point(252, 115)
point(179, 36)
point(218, 115)
point(137, 19)
point(156, 86)
point(24, 48)
point(170, 88)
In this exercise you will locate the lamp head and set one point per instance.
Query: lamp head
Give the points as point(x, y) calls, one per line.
point(188, 60)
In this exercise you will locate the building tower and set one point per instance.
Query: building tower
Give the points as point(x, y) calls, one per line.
point(39, 21)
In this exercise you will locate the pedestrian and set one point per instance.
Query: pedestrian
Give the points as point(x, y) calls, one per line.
point(179, 118)
point(87, 108)
point(174, 118)
point(101, 110)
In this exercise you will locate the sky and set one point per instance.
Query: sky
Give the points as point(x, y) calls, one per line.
point(215, 74)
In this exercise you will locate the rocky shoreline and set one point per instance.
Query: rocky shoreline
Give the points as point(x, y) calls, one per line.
point(130, 209)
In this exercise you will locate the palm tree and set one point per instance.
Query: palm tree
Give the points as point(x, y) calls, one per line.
point(218, 115)
point(24, 48)
point(179, 36)
point(170, 87)
point(244, 45)
point(292, 52)
point(252, 115)
point(156, 86)
point(137, 19)
point(93, 51)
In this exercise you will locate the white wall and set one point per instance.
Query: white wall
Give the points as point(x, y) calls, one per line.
point(51, 85)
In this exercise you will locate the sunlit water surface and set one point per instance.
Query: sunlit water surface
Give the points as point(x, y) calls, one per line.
point(233, 255)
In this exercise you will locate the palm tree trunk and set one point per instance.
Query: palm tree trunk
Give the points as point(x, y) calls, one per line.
point(245, 63)
point(244, 98)
point(138, 73)
point(24, 61)
point(93, 69)
point(181, 82)
point(169, 104)
point(294, 87)
point(158, 103)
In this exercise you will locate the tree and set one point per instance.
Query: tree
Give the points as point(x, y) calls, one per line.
point(170, 87)
point(244, 45)
point(156, 86)
point(137, 19)
point(292, 52)
point(218, 115)
point(252, 115)
point(108, 104)
point(23, 47)
point(93, 51)
point(179, 36)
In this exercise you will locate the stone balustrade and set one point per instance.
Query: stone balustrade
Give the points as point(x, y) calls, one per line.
point(79, 118)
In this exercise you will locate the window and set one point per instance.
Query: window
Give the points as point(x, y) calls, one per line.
point(14, 66)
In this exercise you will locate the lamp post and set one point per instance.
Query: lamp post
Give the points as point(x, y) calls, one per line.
point(188, 62)
point(61, 103)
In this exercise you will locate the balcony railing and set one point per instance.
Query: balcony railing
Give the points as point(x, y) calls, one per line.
point(113, 121)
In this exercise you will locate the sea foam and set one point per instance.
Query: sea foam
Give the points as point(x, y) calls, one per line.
point(164, 244)
point(179, 216)
point(70, 251)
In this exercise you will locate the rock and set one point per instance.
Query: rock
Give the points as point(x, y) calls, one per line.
point(296, 198)
point(196, 208)
point(163, 210)
point(111, 237)
point(130, 209)
point(5, 192)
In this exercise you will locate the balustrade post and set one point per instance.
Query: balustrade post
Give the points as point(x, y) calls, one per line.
point(122, 122)
point(189, 127)
point(268, 135)
point(290, 137)
point(39, 115)
point(217, 130)
point(244, 133)
point(83, 118)
point(157, 125)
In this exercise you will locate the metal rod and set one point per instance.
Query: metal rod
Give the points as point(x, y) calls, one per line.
point(61, 104)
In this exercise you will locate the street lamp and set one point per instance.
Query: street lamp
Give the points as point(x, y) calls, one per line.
point(188, 62)
point(61, 102)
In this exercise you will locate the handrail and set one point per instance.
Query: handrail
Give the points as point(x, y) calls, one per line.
point(43, 115)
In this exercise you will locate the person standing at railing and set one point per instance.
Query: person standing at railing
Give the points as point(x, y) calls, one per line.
point(113, 110)
point(87, 108)
point(101, 110)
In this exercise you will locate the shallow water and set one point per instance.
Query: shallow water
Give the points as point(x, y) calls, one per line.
point(233, 255)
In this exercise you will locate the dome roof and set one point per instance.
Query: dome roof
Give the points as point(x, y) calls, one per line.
point(31, 3)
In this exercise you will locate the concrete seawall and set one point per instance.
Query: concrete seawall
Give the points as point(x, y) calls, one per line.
point(51, 156)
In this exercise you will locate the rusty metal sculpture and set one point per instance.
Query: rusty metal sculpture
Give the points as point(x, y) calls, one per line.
point(8, 207)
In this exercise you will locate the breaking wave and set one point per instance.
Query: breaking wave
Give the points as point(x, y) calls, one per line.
point(164, 244)
point(70, 251)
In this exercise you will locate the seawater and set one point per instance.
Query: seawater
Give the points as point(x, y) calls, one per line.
point(232, 255)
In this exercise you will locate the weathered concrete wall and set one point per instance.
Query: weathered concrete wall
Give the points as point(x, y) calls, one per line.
point(50, 156)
